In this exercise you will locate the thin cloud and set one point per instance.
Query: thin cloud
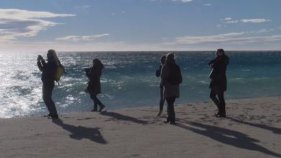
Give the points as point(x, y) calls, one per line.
point(118, 13)
point(175, 1)
point(238, 38)
point(186, 1)
point(207, 39)
point(84, 7)
point(263, 31)
point(255, 20)
point(229, 20)
point(17, 23)
point(207, 4)
point(26, 14)
point(74, 38)
point(183, 1)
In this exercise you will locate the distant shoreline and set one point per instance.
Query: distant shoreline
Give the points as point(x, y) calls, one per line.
point(175, 51)
point(145, 51)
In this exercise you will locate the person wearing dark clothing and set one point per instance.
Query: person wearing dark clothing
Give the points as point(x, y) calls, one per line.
point(171, 78)
point(158, 74)
point(48, 70)
point(94, 85)
point(218, 84)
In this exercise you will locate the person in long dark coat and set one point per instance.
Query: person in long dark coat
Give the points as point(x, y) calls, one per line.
point(94, 85)
point(218, 84)
point(171, 78)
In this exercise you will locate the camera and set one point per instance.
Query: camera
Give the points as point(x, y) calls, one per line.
point(88, 71)
point(39, 58)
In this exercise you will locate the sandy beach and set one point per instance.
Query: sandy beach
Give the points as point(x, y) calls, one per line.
point(251, 129)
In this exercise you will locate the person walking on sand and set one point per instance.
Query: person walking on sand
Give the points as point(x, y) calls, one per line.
point(94, 85)
point(218, 84)
point(49, 73)
point(158, 74)
point(171, 78)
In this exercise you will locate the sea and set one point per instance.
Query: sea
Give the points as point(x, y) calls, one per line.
point(129, 80)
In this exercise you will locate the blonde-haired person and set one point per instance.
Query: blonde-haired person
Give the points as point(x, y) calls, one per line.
point(49, 70)
point(171, 78)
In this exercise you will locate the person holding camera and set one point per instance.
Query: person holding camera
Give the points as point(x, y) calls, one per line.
point(94, 85)
point(49, 73)
point(158, 74)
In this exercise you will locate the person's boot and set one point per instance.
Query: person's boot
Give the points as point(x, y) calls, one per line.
point(159, 113)
point(101, 108)
point(95, 108)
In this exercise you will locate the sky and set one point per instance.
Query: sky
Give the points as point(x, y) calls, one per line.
point(139, 25)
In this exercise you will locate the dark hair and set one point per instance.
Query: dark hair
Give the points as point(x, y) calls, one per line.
point(220, 50)
point(97, 63)
point(163, 59)
point(170, 58)
point(52, 56)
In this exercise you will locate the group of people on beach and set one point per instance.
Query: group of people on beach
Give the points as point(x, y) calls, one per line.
point(170, 75)
point(168, 71)
point(52, 71)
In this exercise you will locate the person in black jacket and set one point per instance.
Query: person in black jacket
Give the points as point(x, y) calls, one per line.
point(48, 70)
point(94, 86)
point(218, 84)
point(171, 79)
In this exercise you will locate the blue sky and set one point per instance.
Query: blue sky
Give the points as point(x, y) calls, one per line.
point(106, 25)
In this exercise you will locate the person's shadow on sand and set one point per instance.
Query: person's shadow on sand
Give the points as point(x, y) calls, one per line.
point(273, 129)
point(227, 136)
point(123, 117)
point(80, 132)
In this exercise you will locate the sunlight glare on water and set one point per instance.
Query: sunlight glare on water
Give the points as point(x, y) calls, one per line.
point(129, 80)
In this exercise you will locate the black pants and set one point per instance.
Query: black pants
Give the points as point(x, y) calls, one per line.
point(47, 97)
point(96, 101)
point(218, 98)
point(171, 110)
point(162, 99)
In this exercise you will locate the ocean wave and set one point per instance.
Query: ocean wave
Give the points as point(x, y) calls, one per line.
point(128, 80)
